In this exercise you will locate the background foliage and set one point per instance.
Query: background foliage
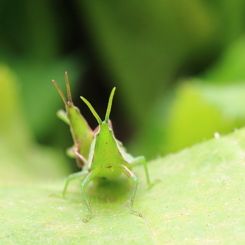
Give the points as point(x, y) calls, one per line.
point(149, 50)
point(178, 68)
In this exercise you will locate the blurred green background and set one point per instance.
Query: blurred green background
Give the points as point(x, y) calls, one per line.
point(178, 67)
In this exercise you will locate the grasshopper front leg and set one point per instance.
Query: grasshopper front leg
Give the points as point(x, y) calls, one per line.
point(138, 160)
point(72, 177)
point(142, 160)
point(134, 179)
point(84, 184)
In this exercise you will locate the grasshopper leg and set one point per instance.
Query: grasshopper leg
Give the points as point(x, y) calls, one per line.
point(134, 179)
point(84, 184)
point(72, 177)
point(79, 156)
point(142, 160)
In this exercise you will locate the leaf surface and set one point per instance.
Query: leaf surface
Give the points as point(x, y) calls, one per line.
point(200, 200)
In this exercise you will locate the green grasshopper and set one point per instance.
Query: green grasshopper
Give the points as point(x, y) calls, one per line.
point(107, 158)
point(82, 134)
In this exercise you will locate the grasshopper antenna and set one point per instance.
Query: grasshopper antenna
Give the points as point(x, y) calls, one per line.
point(108, 111)
point(68, 88)
point(60, 91)
point(91, 108)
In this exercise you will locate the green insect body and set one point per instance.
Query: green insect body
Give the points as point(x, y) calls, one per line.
point(107, 158)
point(82, 134)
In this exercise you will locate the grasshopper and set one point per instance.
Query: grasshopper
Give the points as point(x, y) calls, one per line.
point(107, 158)
point(81, 132)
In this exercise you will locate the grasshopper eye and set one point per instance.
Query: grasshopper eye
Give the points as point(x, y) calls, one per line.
point(110, 125)
point(110, 128)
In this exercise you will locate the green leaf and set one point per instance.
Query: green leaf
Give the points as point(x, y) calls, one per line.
point(195, 113)
point(39, 96)
point(201, 109)
point(20, 158)
point(230, 67)
point(198, 201)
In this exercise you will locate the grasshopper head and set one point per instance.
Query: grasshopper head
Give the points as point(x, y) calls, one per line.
point(108, 111)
